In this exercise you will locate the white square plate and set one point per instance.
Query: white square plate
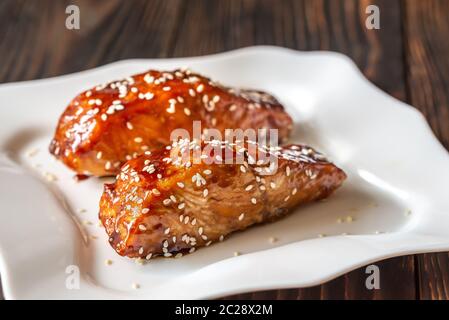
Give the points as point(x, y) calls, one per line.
point(396, 191)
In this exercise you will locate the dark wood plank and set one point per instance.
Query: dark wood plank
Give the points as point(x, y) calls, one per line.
point(215, 26)
point(396, 282)
point(427, 52)
point(34, 43)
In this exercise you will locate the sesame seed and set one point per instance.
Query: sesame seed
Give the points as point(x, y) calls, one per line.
point(148, 257)
point(148, 78)
point(321, 235)
point(145, 210)
point(200, 230)
point(205, 193)
point(141, 250)
point(207, 172)
point(108, 262)
point(142, 227)
point(294, 191)
point(171, 108)
point(181, 206)
point(192, 92)
point(221, 238)
point(253, 200)
point(287, 171)
point(210, 107)
point(167, 254)
point(50, 177)
point(241, 216)
point(194, 222)
point(32, 153)
point(243, 169)
point(129, 125)
point(138, 139)
point(192, 250)
point(135, 285)
point(236, 253)
point(180, 184)
point(165, 244)
point(156, 192)
point(272, 239)
point(200, 88)
point(272, 185)
point(187, 111)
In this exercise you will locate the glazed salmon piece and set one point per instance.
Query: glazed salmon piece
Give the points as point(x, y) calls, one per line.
point(162, 206)
point(115, 122)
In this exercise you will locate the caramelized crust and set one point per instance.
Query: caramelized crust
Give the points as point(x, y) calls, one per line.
point(111, 123)
point(160, 205)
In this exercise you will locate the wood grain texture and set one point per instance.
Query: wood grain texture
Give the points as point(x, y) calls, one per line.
point(427, 50)
point(34, 42)
point(407, 58)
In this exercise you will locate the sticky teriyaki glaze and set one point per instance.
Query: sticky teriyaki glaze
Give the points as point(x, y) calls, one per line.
point(161, 206)
point(111, 123)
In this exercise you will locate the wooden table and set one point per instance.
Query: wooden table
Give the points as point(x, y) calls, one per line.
point(408, 57)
